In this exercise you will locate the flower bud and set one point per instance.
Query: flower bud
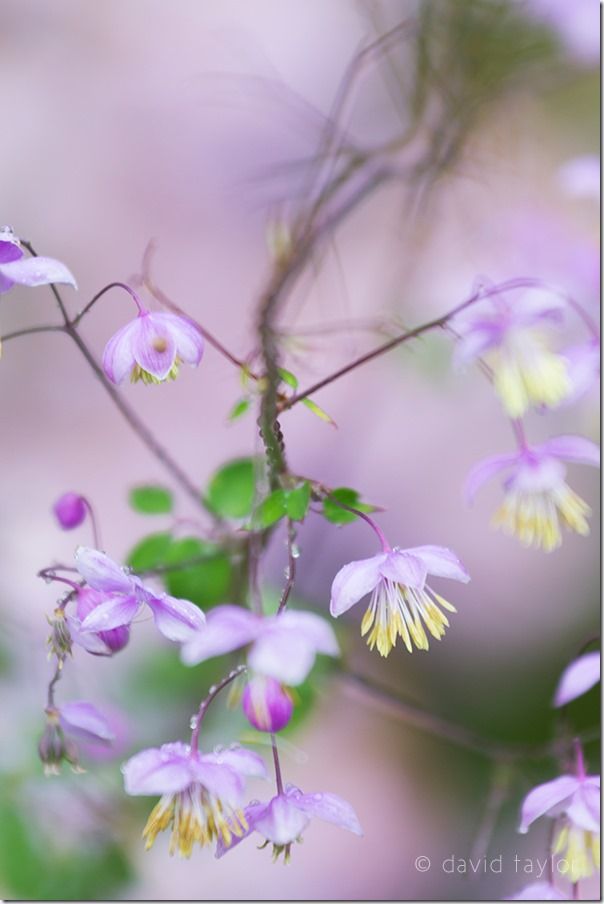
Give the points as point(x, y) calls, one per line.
point(70, 510)
point(266, 703)
point(59, 639)
point(54, 747)
point(113, 640)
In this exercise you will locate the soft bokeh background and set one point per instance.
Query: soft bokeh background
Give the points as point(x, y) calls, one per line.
point(127, 120)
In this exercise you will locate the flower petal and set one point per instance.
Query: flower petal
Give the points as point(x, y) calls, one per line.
point(329, 808)
point(82, 719)
point(118, 357)
point(101, 572)
point(118, 609)
point(282, 821)
point(353, 582)
point(486, 469)
point(153, 346)
point(577, 678)
point(176, 619)
point(441, 562)
point(158, 770)
point(220, 780)
point(88, 640)
point(545, 797)
point(10, 250)
point(227, 628)
point(314, 629)
point(572, 448)
point(188, 339)
point(538, 891)
point(241, 760)
point(402, 567)
point(584, 809)
point(282, 655)
point(37, 271)
point(251, 813)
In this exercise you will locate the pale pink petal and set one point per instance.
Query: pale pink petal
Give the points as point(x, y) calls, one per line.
point(485, 470)
point(227, 628)
point(251, 813)
point(118, 357)
point(402, 567)
point(577, 678)
point(580, 177)
point(316, 630)
point(82, 719)
point(572, 448)
point(159, 770)
point(188, 339)
point(220, 780)
point(37, 271)
point(282, 821)
point(353, 582)
point(584, 809)
point(441, 562)
point(178, 620)
point(282, 655)
point(119, 609)
point(546, 797)
point(101, 572)
point(242, 761)
point(328, 807)
point(88, 640)
point(154, 347)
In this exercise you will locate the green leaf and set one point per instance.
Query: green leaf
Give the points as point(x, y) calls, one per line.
point(288, 377)
point(320, 413)
point(338, 515)
point(151, 500)
point(231, 490)
point(239, 409)
point(271, 509)
point(150, 552)
point(205, 582)
point(297, 501)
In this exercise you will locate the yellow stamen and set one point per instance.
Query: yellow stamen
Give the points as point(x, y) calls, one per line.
point(535, 517)
point(527, 373)
point(396, 610)
point(580, 852)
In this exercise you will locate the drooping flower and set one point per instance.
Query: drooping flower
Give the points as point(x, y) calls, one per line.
point(283, 819)
point(100, 643)
point(77, 718)
point(28, 271)
point(538, 891)
point(574, 800)
point(577, 678)
point(507, 333)
point(125, 595)
point(401, 604)
point(537, 496)
point(267, 704)
point(152, 347)
point(70, 510)
point(583, 362)
point(284, 646)
point(201, 793)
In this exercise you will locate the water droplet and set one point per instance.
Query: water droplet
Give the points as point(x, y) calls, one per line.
point(212, 689)
point(295, 551)
point(123, 768)
point(254, 803)
point(219, 749)
point(193, 723)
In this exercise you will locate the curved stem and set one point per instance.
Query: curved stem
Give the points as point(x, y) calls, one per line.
point(32, 330)
point(96, 534)
point(49, 574)
point(372, 524)
point(93, 301)
point(203, 708)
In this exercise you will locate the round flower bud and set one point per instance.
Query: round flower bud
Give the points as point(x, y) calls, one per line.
point(266, 703)
point(101, 643)
point(70, 510)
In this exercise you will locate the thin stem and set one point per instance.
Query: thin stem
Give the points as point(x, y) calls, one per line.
point(31, 330)
point(203, 708)
point(372, 524)
point(579, 759)
point(518, 428)
point(50, 698)
point(96, 534)
point(93, 301)
point(498, 790)
point(291, 566)
point(278, 777)
point(48, 574)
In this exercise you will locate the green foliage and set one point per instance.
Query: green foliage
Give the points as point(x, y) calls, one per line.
point(150, 552)
point(241, 407)
point(288, 377)
point(231, 490)
point(270, 509)
point(297, 501)
point(318, 411)
point(338, 515)
point(151, 500)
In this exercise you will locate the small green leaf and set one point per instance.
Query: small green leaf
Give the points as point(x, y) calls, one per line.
point(288, 377)
point(320, 413)
point(338, 515)
point(297, 501)
point(204, 582)
point(150, 552)
point(271, 509)
point(151, 500)
point(239, 409)
point(231, 490)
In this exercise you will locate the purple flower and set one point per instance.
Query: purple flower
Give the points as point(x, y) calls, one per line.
point(70, 510)
point(100, 643)
point(401, 602)
point(575, 801)
point(537, 496)
point(124, 596)
point(538, 891)
point(201, 794)
point(27, 271)
point(507, 334)
point(283, 646)
point(266, 703)
point(152, 347)
point(583, 362)
point(283, 819)
point(577, 678)
point(79, 719)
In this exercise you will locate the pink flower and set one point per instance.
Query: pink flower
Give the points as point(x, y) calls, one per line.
point(283, 646)
point(70, 510)
point(266, 704)
point(201, 794)
point(152, 347)
point(78, 718)
point(283, 819)
point(125, 595)
point(401, 602)
point(583, 364)
point(537, 496)
point(100, 643)
point(27, 271)
point(577, 678)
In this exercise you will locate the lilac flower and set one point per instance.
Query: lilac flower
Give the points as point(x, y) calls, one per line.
point(100, 643)
point(537, 496)
point(267, 704)
point(284, 818)
point(583, 367)
point(575, 801)
point(283, 646)
point(70, 510)
point(201, 794)
point(125, 595)
point(27, 271)
point(78, 718)
point(401, 602)
point(152, 347)
point(507, 335)
point(577, 678)
point(538, 891)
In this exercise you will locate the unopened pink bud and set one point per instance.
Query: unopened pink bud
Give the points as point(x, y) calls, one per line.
point(266, 703)
point(70, 510)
